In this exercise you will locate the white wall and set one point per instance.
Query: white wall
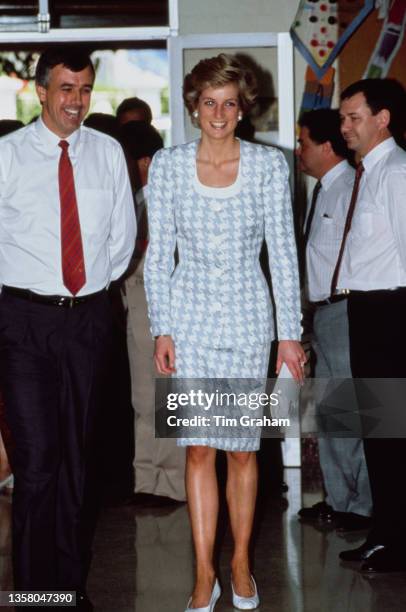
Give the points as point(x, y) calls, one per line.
point(216, 16)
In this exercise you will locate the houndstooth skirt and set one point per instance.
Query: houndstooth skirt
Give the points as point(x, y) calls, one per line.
point(222, 371)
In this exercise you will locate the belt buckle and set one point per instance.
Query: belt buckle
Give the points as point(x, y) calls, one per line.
point(342, 292)
point(65, 300)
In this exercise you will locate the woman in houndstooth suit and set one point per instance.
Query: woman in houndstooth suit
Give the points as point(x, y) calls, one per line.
point(215, 200)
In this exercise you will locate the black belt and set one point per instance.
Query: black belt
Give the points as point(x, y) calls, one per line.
point(331, 300)
point(64, 301)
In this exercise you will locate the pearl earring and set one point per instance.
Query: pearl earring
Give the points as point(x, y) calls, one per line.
point(239, 116)
point(195, 114)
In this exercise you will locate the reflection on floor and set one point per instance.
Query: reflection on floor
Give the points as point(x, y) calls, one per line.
point(143, 562)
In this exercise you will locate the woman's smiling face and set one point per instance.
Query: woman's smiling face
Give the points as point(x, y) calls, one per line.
point(218, 109)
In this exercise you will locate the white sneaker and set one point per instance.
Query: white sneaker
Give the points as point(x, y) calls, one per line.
point(215, 594)
point(246, 603)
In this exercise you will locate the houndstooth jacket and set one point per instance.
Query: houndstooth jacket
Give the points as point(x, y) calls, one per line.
point(217, 295)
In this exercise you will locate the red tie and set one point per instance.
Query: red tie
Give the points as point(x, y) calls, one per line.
point(347, 226)
point(73, 264)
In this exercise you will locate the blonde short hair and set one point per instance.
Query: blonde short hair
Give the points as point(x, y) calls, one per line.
point(217, 72)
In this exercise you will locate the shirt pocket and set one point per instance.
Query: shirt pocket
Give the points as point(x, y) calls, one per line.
point(95, 210)
point(329, 232)
point(362, 225)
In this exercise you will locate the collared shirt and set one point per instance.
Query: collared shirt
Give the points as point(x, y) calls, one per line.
point(327, 229)
point(375, 253)
point(30, 235)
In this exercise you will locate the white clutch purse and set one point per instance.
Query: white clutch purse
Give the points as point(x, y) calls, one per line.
point(288, 391)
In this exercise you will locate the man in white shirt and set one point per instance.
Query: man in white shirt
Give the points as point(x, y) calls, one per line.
point(373, 269)
point(159, 464)
point(322, 154)
point(67, 228)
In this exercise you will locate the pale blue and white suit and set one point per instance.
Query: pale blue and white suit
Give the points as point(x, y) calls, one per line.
point(216, 302)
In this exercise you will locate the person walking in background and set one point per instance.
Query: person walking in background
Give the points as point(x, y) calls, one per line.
point(322, 154)
point(159, 464)
point(215, 200)
point(67, 228)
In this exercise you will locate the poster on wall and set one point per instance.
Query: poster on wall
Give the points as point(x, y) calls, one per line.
point(321, 29)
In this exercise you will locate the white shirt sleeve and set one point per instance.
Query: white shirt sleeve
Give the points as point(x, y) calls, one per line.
point(123, 226)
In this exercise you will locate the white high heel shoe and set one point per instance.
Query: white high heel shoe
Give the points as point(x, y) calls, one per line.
point(215, 594)
point(246, 603)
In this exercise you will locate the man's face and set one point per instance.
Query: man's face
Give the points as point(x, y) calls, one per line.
point(360, 128)
point(309, 153)
point(66, 99)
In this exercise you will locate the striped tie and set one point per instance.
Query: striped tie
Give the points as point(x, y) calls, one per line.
point(73, 264)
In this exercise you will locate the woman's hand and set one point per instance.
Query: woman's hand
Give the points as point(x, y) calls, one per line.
point(291, 353)
point(164, 355)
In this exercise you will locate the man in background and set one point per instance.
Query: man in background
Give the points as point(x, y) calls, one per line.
point(133, 109)
point(159, 464)
point(322, 154)
point(373, 269)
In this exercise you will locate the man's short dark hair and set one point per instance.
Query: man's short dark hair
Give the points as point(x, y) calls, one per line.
point(130, 104)
point(103, 122)
point(324, 126)
point(382, 94)
point(73, 58)
point(140, 139)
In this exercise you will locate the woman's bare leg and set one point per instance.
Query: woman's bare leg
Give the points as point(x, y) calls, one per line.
point(242, 481)
point(202, 495)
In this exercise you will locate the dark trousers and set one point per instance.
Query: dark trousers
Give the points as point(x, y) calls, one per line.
point(53, 363)
point(377, 325)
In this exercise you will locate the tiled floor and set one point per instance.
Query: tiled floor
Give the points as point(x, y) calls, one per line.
point(143, 562)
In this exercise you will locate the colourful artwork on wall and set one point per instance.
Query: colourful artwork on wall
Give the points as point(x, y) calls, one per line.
point(389, 42)
point(318, 93)
point(376, 55)
point(322, 27)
